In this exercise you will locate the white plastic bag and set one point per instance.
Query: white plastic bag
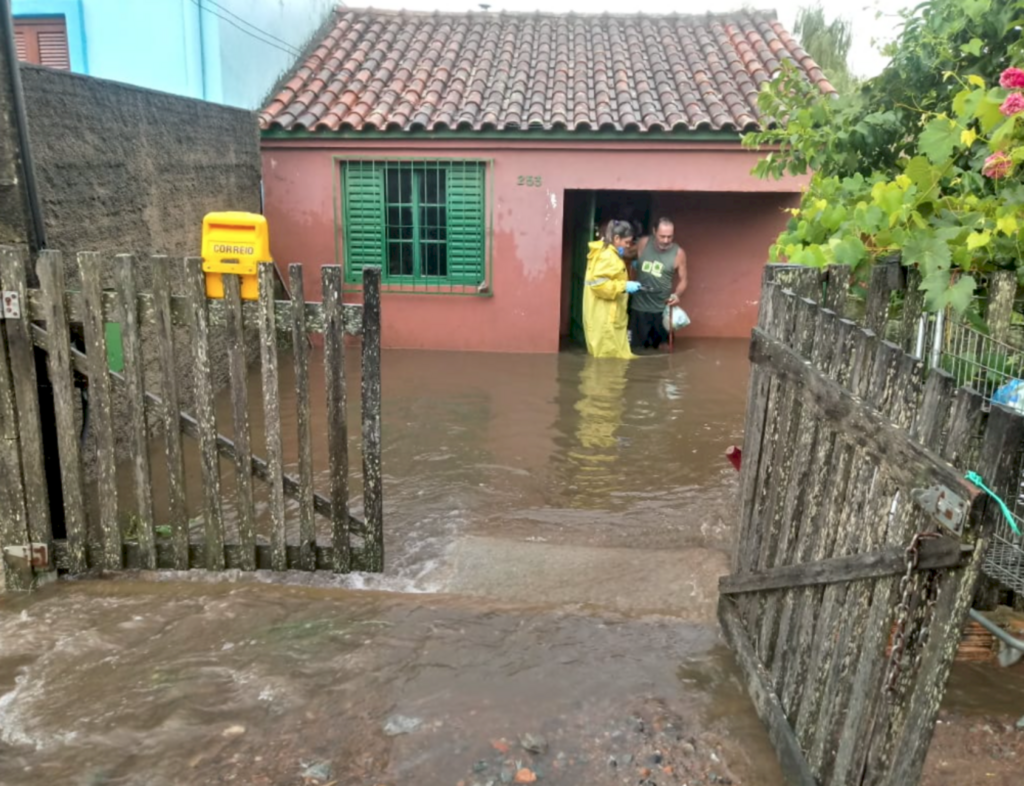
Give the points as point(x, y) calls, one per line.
point(676, 321)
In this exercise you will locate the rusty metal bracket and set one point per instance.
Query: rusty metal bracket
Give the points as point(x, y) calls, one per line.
point(945, 506)
point(37, 555)
point(12, 304)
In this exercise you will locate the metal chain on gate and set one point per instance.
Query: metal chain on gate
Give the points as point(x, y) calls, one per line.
point(931, 597)
point(899, 638)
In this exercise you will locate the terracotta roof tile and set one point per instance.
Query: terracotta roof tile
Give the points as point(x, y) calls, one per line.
point(397, 70)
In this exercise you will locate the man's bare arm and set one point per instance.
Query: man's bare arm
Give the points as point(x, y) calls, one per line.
point(681, 277)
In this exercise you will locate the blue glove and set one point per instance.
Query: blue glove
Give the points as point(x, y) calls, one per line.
point(632, 286)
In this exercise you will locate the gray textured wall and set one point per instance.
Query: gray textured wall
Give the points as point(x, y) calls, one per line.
point(122, 169)
point(127, 170)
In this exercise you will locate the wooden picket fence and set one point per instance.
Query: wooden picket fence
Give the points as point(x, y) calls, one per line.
point(857, 520)
point(42, 317)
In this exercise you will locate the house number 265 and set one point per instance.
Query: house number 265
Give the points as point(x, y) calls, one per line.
point(530, 181)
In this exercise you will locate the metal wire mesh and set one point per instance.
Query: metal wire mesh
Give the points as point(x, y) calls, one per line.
point(977, 360)
point(981, 362)
point(1005, 559)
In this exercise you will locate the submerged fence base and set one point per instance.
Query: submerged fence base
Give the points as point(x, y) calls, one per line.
point(96, 535)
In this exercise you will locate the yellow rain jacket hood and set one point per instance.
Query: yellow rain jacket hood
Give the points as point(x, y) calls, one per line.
point(604, 303)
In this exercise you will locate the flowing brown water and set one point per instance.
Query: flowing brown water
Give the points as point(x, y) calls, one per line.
point(569, 517)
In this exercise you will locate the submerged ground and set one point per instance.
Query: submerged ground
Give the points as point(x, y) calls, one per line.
point(555, 530)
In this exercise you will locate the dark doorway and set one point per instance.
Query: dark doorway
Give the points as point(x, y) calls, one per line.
point(586, 214)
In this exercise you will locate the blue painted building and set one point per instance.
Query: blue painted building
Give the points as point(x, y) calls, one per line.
point(227, 51)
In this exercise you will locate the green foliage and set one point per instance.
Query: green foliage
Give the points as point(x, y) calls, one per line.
point(919, 161)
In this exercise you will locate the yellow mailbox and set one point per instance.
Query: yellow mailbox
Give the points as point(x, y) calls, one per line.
point(234, 243)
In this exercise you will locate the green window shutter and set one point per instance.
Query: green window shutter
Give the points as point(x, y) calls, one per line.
point(466, 241)
point(364, 218)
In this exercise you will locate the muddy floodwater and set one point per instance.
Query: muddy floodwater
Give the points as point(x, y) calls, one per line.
point(555, 530)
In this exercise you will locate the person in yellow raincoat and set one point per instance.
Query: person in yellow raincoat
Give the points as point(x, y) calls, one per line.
point(606, 291)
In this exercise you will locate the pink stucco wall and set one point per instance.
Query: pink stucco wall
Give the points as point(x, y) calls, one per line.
point(726, 228)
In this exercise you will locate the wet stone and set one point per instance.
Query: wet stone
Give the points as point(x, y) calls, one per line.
point(400, 724)
point(318, 771)
point(534, 743)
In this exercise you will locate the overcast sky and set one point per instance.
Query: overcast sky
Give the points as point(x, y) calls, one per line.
point(864, 58)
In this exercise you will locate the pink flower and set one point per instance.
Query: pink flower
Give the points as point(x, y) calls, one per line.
point(997, 165)
point(1012, 78)
point(1013, 104)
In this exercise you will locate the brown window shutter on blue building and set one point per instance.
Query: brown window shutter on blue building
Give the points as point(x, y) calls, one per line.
point(43, 41)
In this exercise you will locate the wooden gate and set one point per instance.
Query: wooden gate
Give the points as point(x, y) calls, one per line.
point(147, 393)
point(860, 541)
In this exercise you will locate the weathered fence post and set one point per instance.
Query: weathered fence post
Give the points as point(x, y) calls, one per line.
point(272, 416)
point(913, 310)
point(50, 267)
point(101, 415)
point(837, 288)
point(1002, 289)
point(131, 339)
point(21, 354)
point(300, 358)
point(169, 407)
point(14, 528)
point(337, 422)
point(205, 418)
point(373, 502)
point(876, 315)
point(239, 382)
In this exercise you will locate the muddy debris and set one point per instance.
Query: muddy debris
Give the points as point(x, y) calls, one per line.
point(651, 746)
point(974, 749)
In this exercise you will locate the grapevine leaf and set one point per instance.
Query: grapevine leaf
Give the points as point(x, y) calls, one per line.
point(1007, 225)
point(973, 47)
point(849, 251)
point(960, 294)
point(929, 252)
point(939, 139)
point(977, 240)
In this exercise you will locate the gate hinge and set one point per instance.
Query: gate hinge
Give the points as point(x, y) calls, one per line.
point(12, 304)
point(945, 506)
point(37, 554)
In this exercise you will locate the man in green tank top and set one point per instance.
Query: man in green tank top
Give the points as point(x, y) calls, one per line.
point(660, 267)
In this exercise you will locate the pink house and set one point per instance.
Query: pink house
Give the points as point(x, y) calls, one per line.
point(473, 155)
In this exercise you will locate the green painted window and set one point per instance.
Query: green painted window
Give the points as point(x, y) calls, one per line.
point(423, 222)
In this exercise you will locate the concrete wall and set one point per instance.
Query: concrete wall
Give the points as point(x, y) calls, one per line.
point(127, 170)
point(731, 221)
point(122, 169)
